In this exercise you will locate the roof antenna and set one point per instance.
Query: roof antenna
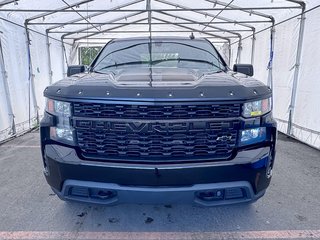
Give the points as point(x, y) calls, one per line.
point(191, 36)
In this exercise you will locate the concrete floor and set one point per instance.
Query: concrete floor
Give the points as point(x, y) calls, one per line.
point(28, 205)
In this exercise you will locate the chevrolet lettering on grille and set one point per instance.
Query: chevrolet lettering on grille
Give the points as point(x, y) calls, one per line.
point(156, 140)
point(136, 127)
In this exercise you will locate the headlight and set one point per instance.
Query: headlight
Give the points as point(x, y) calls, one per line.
point(62, 132)
point(58, 108)
point(256, 108)
point(252, 136)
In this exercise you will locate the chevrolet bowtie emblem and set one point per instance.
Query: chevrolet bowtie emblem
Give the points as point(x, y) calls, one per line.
point(224, 138)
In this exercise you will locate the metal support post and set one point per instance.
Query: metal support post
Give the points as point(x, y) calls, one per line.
point(270, 64)
point(49, 58)
point(296, 71)
point(239, 51)
point(253, 46)
point(31, 90)
point(64, 74)
point(148, 7)
point(229, 48)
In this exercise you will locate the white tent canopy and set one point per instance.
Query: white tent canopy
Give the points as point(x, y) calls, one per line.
point(279, 37)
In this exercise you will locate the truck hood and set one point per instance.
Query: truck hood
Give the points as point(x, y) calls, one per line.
point(158, 84)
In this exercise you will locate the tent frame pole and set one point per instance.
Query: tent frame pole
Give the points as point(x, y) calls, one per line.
point(28, 42)
point(62, 9)
point(192, 29)
point(83, 18)
point(208, 14)
point(64, 74)
point(253, 46)
point(49, 57)
point(232, 6)
point(108, 30)
point(151, 10)
point(31, 89)
point(270, 64)
point(93, 15)
point(229, 50)
point(103, 43)
point(239, 51)
point(101, 23)
point(296, 69)
point(105, 23)
point(260, 14)
point(158, 31)
point(103, 31)
point(5, 2)
point(43, 15)
point(195, 22)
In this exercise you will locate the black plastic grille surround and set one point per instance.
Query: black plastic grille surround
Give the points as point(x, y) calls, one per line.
point(156, 141)
point(156, 133)
point(119, 140)
point(156, 112)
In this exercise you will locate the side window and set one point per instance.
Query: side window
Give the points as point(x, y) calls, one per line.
point(88, 54)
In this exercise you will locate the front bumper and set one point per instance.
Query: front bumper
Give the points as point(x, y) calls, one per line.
point(212, 194)
point(243, 179)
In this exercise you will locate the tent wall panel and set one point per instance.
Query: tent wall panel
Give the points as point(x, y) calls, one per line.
point(40, 67)
point(16, 62)
point(56, 58)
point(261, 57)
point(283, 63)
point(39, 55)
point(306, 121)
point(4, 116)
point(246, 47)
point(233, 57)
point(285, 51)
point(224, 51)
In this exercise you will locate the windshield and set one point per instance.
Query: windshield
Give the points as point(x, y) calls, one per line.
point(137, 53)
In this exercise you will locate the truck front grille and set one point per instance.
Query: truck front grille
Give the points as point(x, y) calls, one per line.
point(156, 141)
point(156, 112)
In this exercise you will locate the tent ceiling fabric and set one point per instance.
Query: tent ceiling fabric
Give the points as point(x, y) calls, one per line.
point(64, 17)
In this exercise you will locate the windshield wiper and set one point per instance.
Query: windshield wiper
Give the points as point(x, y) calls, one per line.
point(122, 64)
point(154, 62)
point(144, 43)
point(118, 50)
point(187, 60)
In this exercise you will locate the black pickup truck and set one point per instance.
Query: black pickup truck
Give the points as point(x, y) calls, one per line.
point(158, 120)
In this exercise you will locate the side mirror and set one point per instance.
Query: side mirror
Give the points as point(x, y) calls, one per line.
point(74, 69)
point(246, 69)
